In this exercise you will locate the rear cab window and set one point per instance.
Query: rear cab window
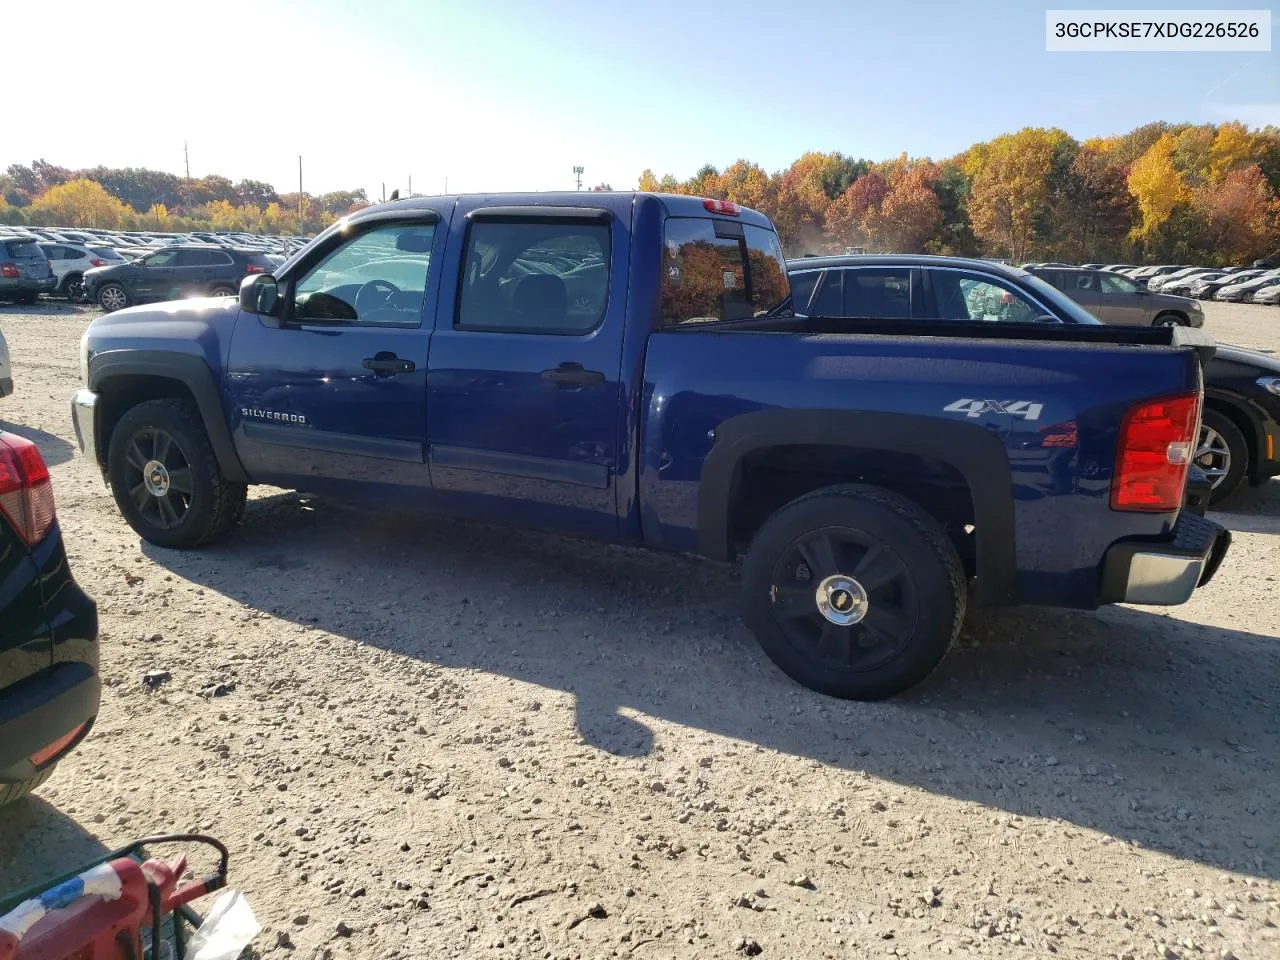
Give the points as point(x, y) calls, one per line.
point(716, 270)
point(23, 250)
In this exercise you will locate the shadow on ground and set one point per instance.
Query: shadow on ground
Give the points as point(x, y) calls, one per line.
point(34, 834)
point(53, 448)
point(1156, 731)
point(1253, 510)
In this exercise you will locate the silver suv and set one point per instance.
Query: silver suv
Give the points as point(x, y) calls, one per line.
point(1114, 298)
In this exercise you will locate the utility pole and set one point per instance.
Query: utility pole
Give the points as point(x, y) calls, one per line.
point(300, 214)
point(578, 173)
point(446, 184)
point(187, 159)
point(384, 191)
point(411, 184)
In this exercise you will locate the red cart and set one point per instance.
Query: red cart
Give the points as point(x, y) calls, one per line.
point(121, 906)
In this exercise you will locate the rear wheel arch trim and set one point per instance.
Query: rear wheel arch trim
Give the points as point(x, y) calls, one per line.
point(193, 373)
point(1247, 420)
point(973, 451)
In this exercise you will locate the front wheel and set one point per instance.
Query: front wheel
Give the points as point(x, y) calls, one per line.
point(73, 287)
point(222, 291)
point(166, 479)
point(13, 792)
point(854, 591)
point(112, 296)
point(1223, 455)
point(1170, 320)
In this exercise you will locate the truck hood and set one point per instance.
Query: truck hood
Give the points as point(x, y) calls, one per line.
point(1267, 363)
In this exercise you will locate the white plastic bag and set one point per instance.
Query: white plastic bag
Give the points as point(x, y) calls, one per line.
point(228, 928)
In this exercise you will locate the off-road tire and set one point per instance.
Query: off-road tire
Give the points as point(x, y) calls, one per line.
point(919, 544)
point(216, 505)
point(13, 792)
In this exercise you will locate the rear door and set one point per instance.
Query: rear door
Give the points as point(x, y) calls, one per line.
point(523, 395)
point(1083, 287)
point(1123, 301)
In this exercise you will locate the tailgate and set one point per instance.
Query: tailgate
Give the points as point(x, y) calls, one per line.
point(27, 256)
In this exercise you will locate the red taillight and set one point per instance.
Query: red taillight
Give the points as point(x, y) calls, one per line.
point(722, 206)
point(1157, 440)
point(98, 263)
point(9, 270)
point(26, 494)
point(57, 748)
point(256, 268)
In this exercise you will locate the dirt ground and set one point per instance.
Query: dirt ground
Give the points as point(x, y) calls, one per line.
point(440, 740)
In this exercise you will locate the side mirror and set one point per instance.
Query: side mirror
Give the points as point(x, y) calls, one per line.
point(259, 293)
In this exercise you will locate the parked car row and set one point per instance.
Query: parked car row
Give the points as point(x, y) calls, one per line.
point(80, 271)
point(55, 262)
point(1259, 283)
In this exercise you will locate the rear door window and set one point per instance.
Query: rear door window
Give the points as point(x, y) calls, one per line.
point(828, 301)
point(535, 276)
point(720, 270)
point(882, 293)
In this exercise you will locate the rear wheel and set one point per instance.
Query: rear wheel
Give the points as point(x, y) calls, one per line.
point(222, 291)
point(166, 479)
point(27, 298)
point(854, 591)
point(112, 296)
point(73, 287)
point(13, 792)
point(1223, 455)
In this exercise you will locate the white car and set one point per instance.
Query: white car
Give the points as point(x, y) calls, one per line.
point(6, 374)
point(70, 260)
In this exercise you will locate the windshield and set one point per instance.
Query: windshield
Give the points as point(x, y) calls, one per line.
point(1067, 309)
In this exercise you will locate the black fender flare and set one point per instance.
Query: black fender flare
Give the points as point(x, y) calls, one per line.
point(189, 370)
point(972, 450)
point(1252, 414)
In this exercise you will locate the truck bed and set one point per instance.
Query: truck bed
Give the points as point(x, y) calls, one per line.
point(1112, 335)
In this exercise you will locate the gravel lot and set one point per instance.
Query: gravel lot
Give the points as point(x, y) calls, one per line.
point(442, 740)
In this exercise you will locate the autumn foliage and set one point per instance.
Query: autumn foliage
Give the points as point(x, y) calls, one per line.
point(133, 198)
point(1159, 193)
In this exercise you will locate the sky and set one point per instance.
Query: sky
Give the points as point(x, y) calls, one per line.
point(512, 94)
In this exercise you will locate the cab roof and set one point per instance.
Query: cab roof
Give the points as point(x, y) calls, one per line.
point(616, 201)
point(902, 260)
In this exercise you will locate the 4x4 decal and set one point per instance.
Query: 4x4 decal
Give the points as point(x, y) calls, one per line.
point(1027, 409)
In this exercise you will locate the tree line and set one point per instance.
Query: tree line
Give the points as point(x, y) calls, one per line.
point(1161, 193)
point(134, 198)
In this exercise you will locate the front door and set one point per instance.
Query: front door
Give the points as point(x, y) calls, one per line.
point(153, 277)
point(330, 396)
point(523, 396)
point(1123, 301)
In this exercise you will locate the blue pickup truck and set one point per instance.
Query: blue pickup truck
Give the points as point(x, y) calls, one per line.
point(627, 367)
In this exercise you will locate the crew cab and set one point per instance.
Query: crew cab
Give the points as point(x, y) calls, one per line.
point(627, 367)
point(1239, 441)
point(49, 685)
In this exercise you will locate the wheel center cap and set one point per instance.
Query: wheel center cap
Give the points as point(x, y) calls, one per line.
point(842, 600)
point(156, 478)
